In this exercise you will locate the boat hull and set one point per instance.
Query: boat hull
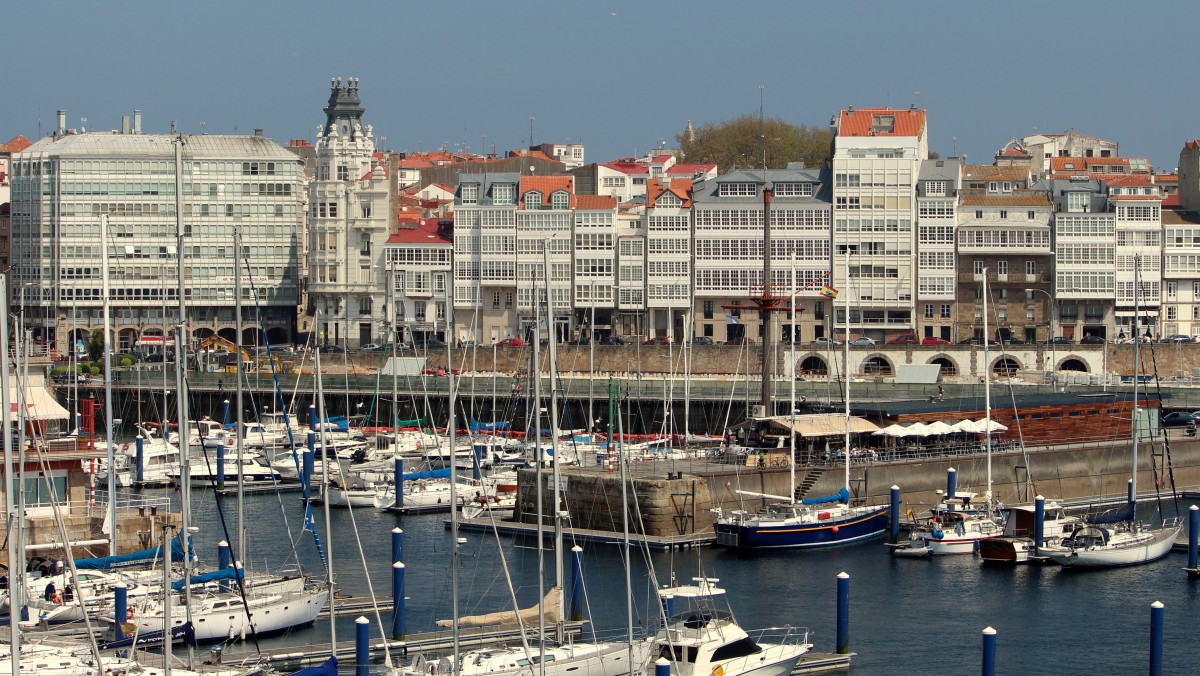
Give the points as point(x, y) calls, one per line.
point(855, 527)
point(1005, 550)
point(1151, 549)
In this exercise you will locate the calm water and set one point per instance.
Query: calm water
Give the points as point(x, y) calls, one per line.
point(911, 616)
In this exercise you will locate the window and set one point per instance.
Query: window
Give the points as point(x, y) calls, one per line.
point(560, 200)
point(508, 300)
point(977, 266)
point(364, 305)
point(737, 189)
point(366, 210)
point(470, 193)
point(502, 193)
point(929, 310)
point(935, 188)
point(979, 213)
point(945, 311)
point(1079, 201)
point(708, 309)
point(1003, 213)
point(1172, 290)
point(343, 173)
point(1002, 267)
point(533, 200)
point(1031, 267)
point(793, 189)
point(1030, 215)
point(1172, 311)
point(496, 300)
point(708, 330)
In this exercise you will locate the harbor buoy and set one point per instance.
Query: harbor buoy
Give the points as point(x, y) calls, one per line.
point(834, 530)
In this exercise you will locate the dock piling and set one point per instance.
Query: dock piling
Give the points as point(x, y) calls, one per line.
point(120, 609)
point(220, 466)
point(398, 629)
point(662, 667)
point(1156, 638)
point(989, 651)
point(139, 466)
point(951, 482)
point(398, 479)
point(397, 544)
point(843, 613)
point(894, 524)
point(1039, 523)
point(1193, 566)
point(309, 463)
point(577, 583)
point(362, 646)
point(224, 558)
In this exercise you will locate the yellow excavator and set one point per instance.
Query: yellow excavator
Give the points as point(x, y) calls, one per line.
point(217, 342)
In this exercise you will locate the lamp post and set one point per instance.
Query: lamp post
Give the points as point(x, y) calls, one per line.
point(1053, 345)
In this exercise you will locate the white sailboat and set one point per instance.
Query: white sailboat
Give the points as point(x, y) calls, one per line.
point(1119, 539)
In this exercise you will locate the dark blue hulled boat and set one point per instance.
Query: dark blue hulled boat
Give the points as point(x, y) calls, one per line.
point(815, 522)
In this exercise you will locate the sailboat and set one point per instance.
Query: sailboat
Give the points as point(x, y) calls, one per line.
point(954, 527)
point(1118, 539)
point(811, 522)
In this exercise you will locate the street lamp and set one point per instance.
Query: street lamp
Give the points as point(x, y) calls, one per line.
point(1053, 345)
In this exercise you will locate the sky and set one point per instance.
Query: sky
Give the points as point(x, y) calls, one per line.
point(620, 77)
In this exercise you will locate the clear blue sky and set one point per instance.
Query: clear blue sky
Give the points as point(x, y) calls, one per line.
point(616, 75)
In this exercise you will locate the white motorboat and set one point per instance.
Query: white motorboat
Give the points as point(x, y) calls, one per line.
point(702, 640)
point(1017, 542)
point(204, 471)
point(953, 527)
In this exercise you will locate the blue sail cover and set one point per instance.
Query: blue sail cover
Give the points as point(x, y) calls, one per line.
point(427, 474)
point(328, 668)
point(224, 574)
point(842, 496)
point(130, 559)
point(1113, 516)
point(477, 426)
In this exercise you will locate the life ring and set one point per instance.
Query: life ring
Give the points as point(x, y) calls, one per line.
point(229, 441)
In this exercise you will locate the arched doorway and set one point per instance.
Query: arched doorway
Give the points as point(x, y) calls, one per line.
point(949, 368)
point(1073, 364)
point(814, 366)
point(877, 366)
point(1005, 366)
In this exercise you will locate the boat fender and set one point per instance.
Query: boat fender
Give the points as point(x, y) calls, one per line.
point(229, 441)
point(125, 447)
point(910, 513)
point(938, 534)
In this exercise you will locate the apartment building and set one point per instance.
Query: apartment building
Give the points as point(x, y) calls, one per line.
point(351, 210)
point(668, 267)
point(418, 270)
point(877, 155)
point(1041, 148)
point(938, 185)
point(64, 183)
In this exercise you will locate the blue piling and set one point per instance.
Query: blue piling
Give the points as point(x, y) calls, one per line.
point(989, 651)
point(1193, 537)
point(221, 466)
point(397, 545)
point(662, 667)
point(399, 482)
point(139, 462)
point(309, 464)
point(362, 646)
point(577, 584)
point(312, 417)
point(1129, 491)
point(1039, 523)
point(224, 559)
point(843, 613)
point(120, 609)
point(398, 601)
point(225, 411)
point(1156, 638)
point(951, 482)
point(894, 532)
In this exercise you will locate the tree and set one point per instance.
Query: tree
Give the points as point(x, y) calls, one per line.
point(740, 142)
point(95, 346)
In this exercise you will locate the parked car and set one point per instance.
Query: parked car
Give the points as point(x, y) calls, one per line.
point(702, 340)
point(740, 340)
point(826, 341)
point(511, 341)
point(903, 339)
point(934, 340)
point(658, 340)
point(1178, 338)
point(371, 347)
point(977, 340)
point(331, 349)
point(863, 341)
point(1178, 419)
point(1061, 340)
point(1092, 340)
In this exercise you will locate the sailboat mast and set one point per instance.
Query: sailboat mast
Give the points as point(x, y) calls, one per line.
point(558, 507)
point(987, 394)
point(624, 525)
point(238, 433)
point(1137, 368)
point(326, 474)
point(450, 434)
point(535, 373)
point(792, 389)
point(16, 517)
point(846, 367)
point(768, 373)
point(108, 400)
point(181, 344)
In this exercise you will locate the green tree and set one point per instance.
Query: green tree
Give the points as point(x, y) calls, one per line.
point(95, 346)
point(740, 142)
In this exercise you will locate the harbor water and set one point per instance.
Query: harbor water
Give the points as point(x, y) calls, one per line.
point(906, 615)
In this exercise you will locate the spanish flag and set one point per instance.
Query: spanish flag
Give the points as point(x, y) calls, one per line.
point(828, 291)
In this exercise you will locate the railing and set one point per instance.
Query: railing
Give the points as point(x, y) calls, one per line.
point(779, 635)
point(139, 502)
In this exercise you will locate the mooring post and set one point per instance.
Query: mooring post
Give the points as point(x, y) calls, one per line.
point(398, 600)
point(310, 464)
point(1039, 523)
point(989, 651)
point(843, 613)
point(951, 482)
point(894, 526)
point(1193, 538)
point(139, 467)
point(662, 667)
point(397, 545)
point(577, 584)
point(120, 609)
point(399, 481)
point(362, 646)
point(220, 466)
point(1156, 638)
point(224, 558)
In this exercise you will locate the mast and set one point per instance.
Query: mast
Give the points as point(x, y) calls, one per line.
point(1137, 368)
point(450, 433)
point(535, 373)
point(167, 623)
point(987, 395)
point(325, 476)
point(15, 517)
point(846, 368)
point(181, 332)
point(612, 393)
point(237, 294)
point(592, 364)
point(792, 389)
point(108, 400)
point(559, 511)
point(768, 373)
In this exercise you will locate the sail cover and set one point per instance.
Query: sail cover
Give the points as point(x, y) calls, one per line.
point(327, 668)
point(1114, 515)
point(480, 426)
point(508, 618)
point(130, 559)
point(841, 496)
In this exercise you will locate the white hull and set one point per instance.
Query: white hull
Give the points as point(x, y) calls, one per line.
point(1129, 549)
point(224, 617)
point(599, 659)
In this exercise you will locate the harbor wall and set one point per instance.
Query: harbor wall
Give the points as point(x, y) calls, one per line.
point(682, 504)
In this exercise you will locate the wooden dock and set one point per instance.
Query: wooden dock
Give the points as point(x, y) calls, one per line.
point(656, 542)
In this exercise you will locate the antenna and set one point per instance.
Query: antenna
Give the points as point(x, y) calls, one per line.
point(762, 130)
point(531, 119)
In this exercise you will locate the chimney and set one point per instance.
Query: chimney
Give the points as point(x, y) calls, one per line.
point(137, 121)
point(124, 124)
point(62, 123)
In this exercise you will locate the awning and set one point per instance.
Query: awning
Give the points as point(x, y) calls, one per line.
point(39, 402)
point(823, 424)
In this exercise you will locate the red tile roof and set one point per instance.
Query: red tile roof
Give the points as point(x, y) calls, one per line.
point(1171, 201)
point(16, 144)
point(1131, 180)
point(627, 167)
point(299, 143)
point(680, 187)
point(1014, 152)
point(690, 169)
point(595, 202)
point(547, 185)
point(908, 122)
point(659, 159)
point(1145, 198)
point(419, 231)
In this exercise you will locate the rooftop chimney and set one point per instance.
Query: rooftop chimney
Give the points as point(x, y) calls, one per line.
point(124, 124)
point(137, 121)
point(62, 123)
point(258, 132)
